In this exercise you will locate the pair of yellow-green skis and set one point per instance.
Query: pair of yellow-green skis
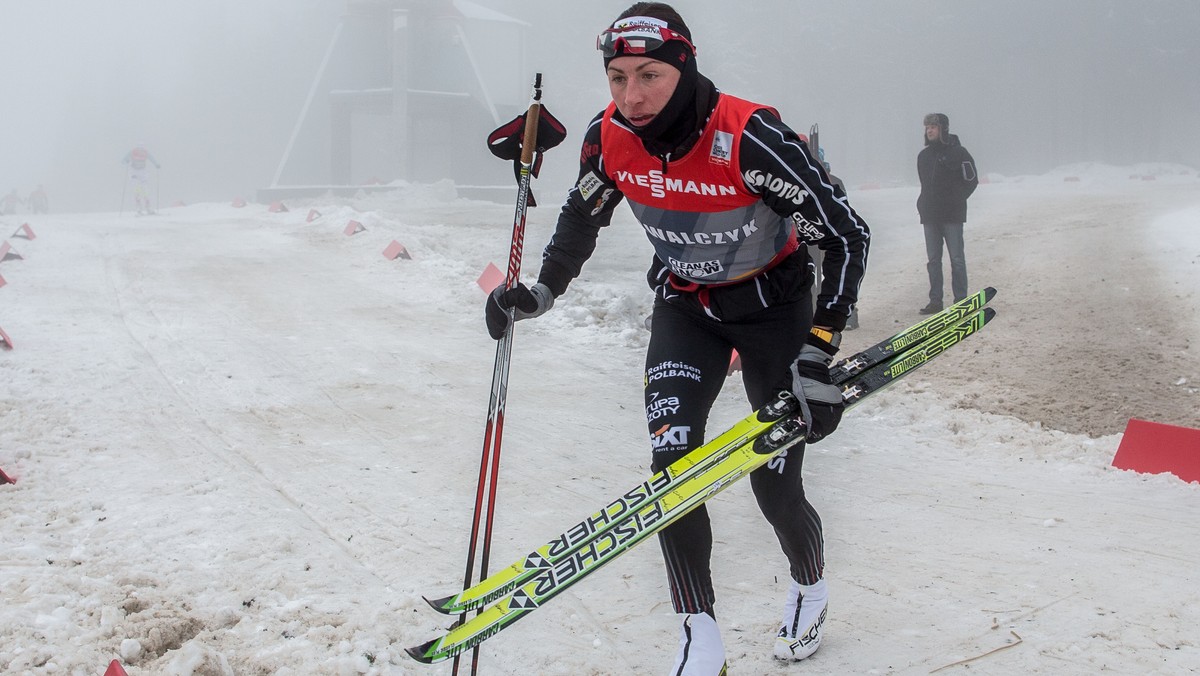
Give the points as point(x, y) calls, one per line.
point(647, 508)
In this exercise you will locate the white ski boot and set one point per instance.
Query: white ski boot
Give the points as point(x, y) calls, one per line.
point(803, 617)
point(701, 652)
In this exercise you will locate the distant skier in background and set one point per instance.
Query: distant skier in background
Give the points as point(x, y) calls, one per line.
point(10, 202)
point(38, 202)
point(136, 160)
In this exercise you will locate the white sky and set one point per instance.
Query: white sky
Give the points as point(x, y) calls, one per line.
point(214, 87)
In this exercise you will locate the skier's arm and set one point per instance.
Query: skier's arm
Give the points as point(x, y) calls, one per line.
point(588, 208)
point(802, 191)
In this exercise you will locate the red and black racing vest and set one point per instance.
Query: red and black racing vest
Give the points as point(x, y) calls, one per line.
point(698, 214)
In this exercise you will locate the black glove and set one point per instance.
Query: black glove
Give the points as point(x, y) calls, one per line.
point(821, 401)
point(526, 302)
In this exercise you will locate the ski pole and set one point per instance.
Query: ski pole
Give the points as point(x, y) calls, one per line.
point(489, 462)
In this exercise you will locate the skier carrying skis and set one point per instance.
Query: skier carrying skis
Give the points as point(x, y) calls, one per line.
point(136, 160)
point(728, 196)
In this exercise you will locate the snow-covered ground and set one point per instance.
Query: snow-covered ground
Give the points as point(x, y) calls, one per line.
point(247, 444)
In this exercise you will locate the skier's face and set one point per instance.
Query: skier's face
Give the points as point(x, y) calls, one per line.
point(641, 87)
point(932, 132)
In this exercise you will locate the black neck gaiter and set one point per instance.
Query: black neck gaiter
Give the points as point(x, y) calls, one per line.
point(675, 127)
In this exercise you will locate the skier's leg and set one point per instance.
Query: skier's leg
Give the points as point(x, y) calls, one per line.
point(768, 347)
point(777, 337)
point(685, 369)
point(135, 179)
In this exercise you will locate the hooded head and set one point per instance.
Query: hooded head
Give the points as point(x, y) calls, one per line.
point(651, 29)
point(655, 30)
point(942, 122)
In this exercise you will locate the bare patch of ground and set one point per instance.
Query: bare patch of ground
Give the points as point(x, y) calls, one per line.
point(1092, 327)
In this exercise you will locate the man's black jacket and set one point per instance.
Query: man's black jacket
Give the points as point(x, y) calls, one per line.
point(948, 177)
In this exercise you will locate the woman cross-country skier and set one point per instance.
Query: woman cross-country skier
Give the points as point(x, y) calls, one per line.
point(727, 195)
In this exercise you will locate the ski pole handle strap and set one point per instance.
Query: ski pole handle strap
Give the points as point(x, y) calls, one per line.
point(508, 140)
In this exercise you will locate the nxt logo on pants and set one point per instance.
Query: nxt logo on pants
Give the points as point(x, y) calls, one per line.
point(668, 437)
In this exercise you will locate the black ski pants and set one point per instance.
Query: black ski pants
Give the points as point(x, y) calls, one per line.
point(687, 363)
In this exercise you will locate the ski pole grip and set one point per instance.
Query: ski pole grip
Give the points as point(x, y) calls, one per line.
point(529, 142)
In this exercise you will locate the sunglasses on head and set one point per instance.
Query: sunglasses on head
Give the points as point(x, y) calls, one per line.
point(637, 39)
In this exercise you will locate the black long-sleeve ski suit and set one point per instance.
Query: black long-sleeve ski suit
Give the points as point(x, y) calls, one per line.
point(721, 284)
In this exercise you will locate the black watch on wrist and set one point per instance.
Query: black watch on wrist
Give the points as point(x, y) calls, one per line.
point(834, 338)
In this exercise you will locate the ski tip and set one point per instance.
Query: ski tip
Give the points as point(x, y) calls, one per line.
point(982, 297)
point(421, 653)
point(441, 605)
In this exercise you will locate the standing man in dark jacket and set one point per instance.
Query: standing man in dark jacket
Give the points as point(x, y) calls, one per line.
point(948, 178)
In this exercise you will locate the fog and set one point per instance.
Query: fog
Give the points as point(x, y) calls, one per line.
point(215, 88)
